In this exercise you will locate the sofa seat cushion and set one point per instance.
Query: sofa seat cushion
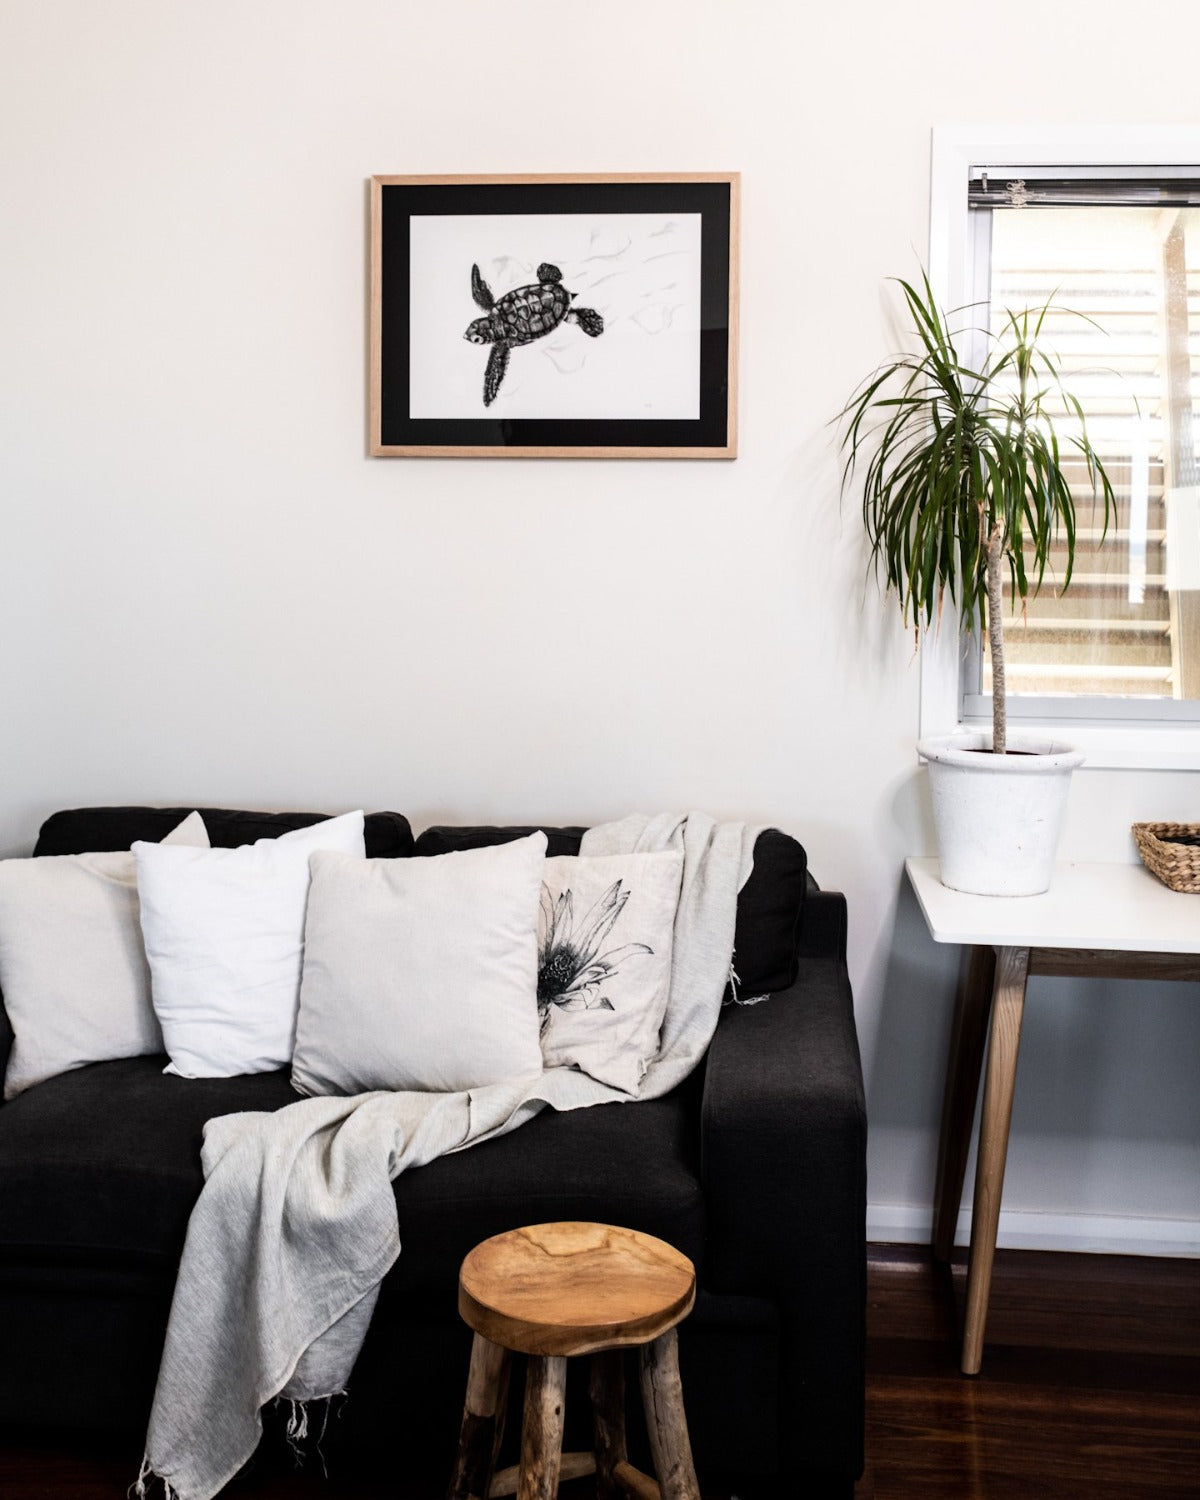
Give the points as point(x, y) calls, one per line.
point(633, 1164)
point(101, 1166)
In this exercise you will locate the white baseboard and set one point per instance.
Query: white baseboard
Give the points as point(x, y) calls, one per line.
point(1102, 1234)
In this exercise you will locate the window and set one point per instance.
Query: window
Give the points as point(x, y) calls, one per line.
point(1124, 253)
point(1111, 229)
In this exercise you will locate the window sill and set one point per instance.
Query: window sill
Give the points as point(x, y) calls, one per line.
point(1113, 747)
point(1127, 746)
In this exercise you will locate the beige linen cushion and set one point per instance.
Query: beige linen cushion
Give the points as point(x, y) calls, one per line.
point(72, 964)
point(421, 973)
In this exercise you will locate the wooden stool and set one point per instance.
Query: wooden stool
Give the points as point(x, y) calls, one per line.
point(551, 1291)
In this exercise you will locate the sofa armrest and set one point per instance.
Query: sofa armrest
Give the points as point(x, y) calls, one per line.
point(783, 1161)
point(823, 926)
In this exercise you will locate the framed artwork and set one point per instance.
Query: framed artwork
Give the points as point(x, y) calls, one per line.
point(557, 317)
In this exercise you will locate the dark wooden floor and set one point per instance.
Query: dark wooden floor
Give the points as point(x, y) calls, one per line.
point(1090, 1390)
point(1090, 1387)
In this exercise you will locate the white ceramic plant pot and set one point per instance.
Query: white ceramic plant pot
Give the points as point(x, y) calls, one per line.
point(998, 817)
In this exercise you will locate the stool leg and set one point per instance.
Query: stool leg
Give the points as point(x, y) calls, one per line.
point(662, 1395)
point(541, 1435)
point(607, 1390)
point(482, 1421)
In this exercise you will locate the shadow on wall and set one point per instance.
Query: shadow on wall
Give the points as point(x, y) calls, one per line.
point(904, 1051)
point(906, 1070)
point(1110, 1060)
point(1105, 1117)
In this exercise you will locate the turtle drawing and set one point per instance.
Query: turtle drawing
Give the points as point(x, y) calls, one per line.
point(520, 316)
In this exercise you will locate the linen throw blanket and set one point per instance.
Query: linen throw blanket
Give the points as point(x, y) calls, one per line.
point(296, 1225)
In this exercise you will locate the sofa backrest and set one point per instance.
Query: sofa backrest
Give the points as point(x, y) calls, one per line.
point(84, 830)
point(6, 1041)
point(770, 906)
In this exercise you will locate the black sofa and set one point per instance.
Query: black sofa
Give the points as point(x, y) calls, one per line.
point(754, 1167)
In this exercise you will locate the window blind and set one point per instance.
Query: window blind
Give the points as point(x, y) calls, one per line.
point(1133, 360)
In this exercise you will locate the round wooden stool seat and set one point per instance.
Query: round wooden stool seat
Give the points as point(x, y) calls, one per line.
point(574, 1288)
point(551, 1291)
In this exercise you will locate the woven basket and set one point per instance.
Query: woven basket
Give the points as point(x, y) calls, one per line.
point(1176, 865)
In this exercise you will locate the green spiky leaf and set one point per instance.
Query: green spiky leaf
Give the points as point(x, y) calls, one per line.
point(962, 467)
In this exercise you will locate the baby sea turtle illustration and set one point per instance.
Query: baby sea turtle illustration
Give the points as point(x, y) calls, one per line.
point(528, 313)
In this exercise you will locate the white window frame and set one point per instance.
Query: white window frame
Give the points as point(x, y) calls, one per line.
point(1125, 744)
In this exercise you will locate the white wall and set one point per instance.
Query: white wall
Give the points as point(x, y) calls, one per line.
point(209, 593)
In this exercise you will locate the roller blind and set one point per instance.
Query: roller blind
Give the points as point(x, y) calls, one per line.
point(1107, 187)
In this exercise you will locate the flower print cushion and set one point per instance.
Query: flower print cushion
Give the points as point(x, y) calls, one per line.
point(604, 961)
point(770, 904)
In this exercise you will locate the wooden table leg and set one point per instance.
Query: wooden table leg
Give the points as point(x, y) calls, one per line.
point(607, 1388)
point(968, 1033)
point(1008, 1005)
point(666, 1424)
point(482, 1421)
point(541, 1435)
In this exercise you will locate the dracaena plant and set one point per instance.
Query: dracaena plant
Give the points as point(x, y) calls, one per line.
point(963, 476)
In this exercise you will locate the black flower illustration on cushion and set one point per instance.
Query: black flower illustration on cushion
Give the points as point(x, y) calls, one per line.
point(571, 968)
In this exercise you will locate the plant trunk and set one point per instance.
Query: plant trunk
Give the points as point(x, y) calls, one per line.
point(995, 591)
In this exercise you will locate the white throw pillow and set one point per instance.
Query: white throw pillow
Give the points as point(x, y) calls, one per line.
point(72, 966)
point(224, 934)
point(604, 961)
point(421, 973)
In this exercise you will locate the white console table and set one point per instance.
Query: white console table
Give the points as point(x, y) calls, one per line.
point(1096, 919)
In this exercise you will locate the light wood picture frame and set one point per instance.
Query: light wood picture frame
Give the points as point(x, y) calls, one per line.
point(547, 316)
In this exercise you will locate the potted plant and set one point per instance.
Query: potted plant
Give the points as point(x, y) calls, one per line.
point(964, 483)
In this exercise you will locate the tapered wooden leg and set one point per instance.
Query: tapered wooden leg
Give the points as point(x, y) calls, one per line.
point(607, 1390)
point(1008, 1006)
point(662, 1393)
point(482, 1422)
point(967, 1036)
point(541, 1436)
